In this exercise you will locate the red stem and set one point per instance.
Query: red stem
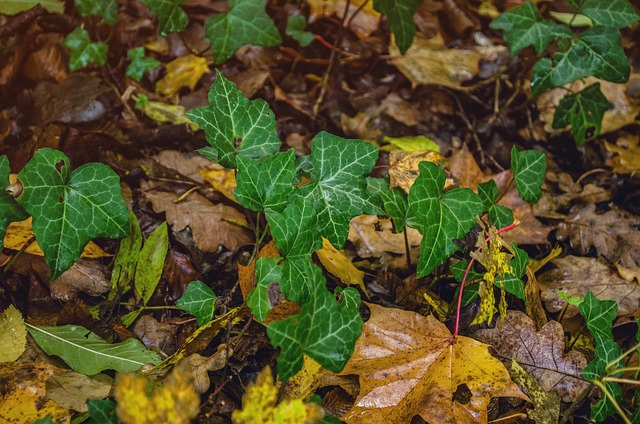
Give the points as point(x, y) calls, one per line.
point(466, 274)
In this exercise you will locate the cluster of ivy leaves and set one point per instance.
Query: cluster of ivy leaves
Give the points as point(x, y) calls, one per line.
point(595, 51)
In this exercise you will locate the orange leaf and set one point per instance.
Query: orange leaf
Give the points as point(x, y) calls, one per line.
point(408, 366)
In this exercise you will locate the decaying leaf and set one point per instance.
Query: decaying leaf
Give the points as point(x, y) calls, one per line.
point(339, 265)
point(403, 167)
point(259, 405)
point(577, 275)
point(175, 401)
point(408, 366)
point(201, 365)
point(546, 404)
point(211, 225)
point(221, 179)
point(540, 353)
point(614, 234)
point(22, 398)
point(374, 237)
point(71, 390)
point(627, 154)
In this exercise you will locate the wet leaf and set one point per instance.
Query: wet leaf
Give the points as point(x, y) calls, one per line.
point(246, 23)
point(89, 354)
point(199, 301)
point(407, 366)
point(71, 208)
point(151, 262)
point(83, 51)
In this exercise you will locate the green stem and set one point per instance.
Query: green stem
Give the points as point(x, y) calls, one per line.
point(609, 396)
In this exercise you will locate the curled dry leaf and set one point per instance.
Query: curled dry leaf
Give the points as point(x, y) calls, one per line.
point(577, 275)
point(201, 365)
point(408, 366)
point(211, 225)
point(614, 234)
point(373, 236)
point(540, 353)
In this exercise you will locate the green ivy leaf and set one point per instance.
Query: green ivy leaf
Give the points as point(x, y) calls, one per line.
point(198, 300)
point(325, 329)
point(139, 63)
point(171, 16)
point(338, 187)
point(295, 232)
point(584, 112)
point(296, 25)
point(613, 13)
point(400, 16)
point(246, 23)
point(440, 217)
point(235, 126)
point(102, 411)
point(523, 26)
point(595, 52)
point(393, 201)
point(499, 216)
point(151, 262)
point(599, 316)
point(83, 51)
point(106, 9)
point(528, 168)
point(10, 210)
point(263, 185)
point(268, 272)
point(87, 353)
point(70, 210)
point(513, 281)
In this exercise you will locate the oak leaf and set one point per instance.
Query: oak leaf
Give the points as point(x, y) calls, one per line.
point(408, 366)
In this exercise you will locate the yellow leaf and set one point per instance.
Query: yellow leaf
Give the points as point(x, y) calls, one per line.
point(221, 179)
point(408, 365)
point(259, 405)
point(140, 401)
point(413, 143)
point(184, 71)
point(19, 233)
point(13, 334)
point(339, 265)
point(23, 394)
point(546, 403)
point(403, 167)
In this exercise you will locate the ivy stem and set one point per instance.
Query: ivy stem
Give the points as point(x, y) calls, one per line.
point(613, 363)
point(466, 274)
point(621, 380)
point(612, 399)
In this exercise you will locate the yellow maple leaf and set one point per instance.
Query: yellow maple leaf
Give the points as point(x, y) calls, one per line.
point(259, 405)
point(339, 265)
point(174, 401)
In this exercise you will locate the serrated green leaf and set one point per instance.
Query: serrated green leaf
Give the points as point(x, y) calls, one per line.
point(246, 23)
point(338, 187)
point(171, 16)
point(583, 111)
point(523, 26)
point(235, 126)
point(326, 329)
point(87, 353)
point(499, 216)
point(106, 9)
point(612, 13)
point(528, 168)
point(139, 63)
point(10, 210)
point(70, 210)
point(198, 300)
point(151, 262)
point(264, 185)
point(124, 266)
point(13, 7)
point(400, 16)
point(102, 411)
point(295, 232)
point(440, 217)
point(267, 272)
point(83, 51)
point(296, 25)
point(595, 52)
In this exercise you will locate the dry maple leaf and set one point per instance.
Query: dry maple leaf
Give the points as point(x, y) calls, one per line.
point(540, 353)
point(408, 366)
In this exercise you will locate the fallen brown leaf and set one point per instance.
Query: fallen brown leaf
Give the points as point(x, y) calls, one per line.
point(540, 353)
